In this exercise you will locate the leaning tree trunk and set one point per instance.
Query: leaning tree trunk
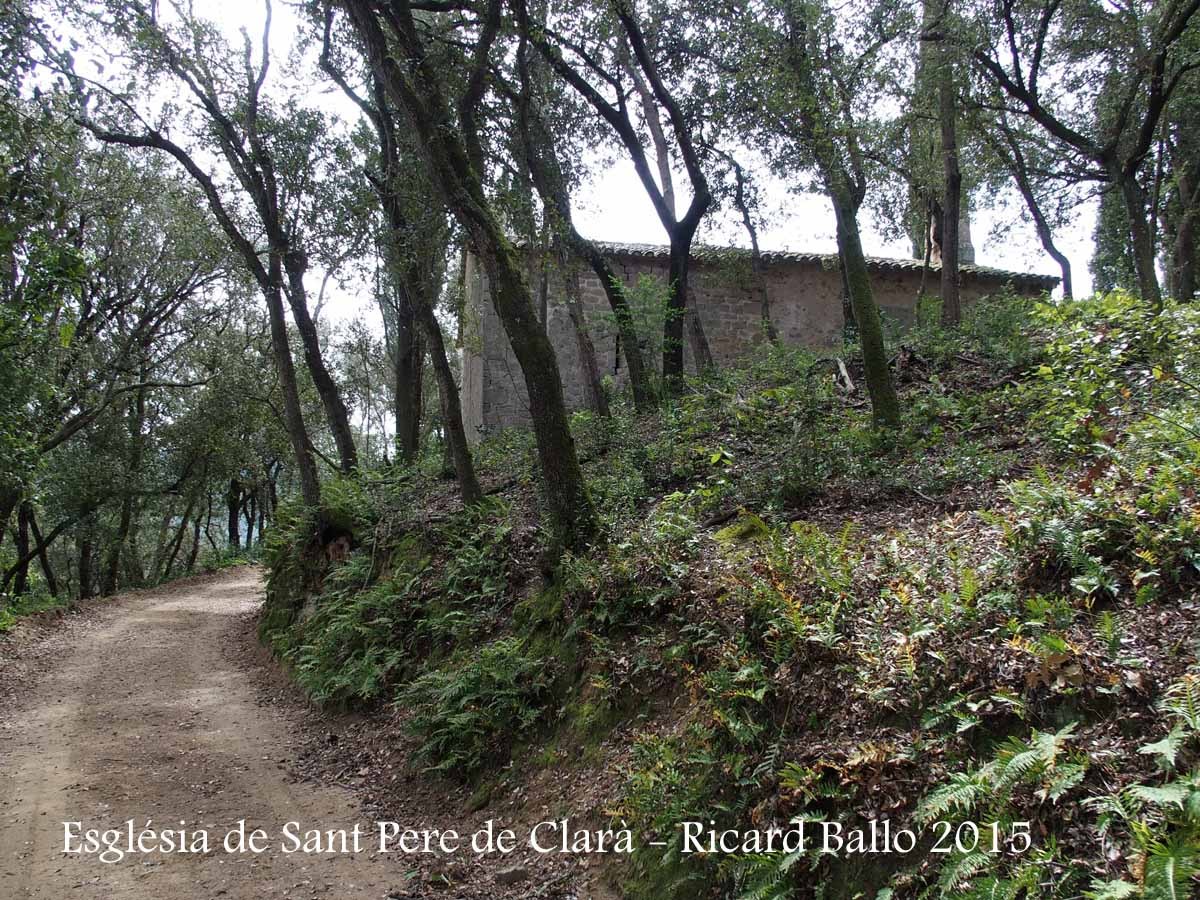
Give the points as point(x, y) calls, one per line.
point(614, 291)
point(195, 551)
point(178, 540)
point(293, 416)
point(572, 517)
point(885, 406)
point(43, 557)
point(327, 389)
point(1044, 232)
point(758, 269)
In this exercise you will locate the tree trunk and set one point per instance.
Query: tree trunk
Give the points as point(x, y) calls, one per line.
point(572, 519)
point(614, 291)
point(569, 272)
point(195, 551)
point(161, 545)
point(327, 390)
point(111, 570)
point(233, 502)
point(758, 269)
point(1139, 233)
point(408, 367)
point(306, 467)
point(885, 406)
point(248, 512)
point(208, 525)
point(83, 545)
point(677, 319)
point(1183, 248)
point(952, 195)
point(43, 556)
point(451, 406)
point(178, 541)
point(21, 582)
point(1044, 232)
point(1185, 259)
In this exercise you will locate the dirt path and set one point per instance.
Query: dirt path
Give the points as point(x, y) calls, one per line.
point(144, 713)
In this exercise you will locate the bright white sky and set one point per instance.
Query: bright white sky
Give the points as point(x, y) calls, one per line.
point(613, 206)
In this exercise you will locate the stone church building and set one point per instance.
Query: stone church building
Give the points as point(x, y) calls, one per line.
point(804, 290)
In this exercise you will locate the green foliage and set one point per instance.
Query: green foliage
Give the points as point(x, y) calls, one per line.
point(998, 328)
point(377, 614)
point(33, 603)
point(800, 590)
point(638, 577)
point(347, 649)
point(1116, 391)
point(468, 712)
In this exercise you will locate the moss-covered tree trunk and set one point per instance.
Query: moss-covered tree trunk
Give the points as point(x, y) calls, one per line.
point(885, 406)
point(408, 72)
point(572, 518)
point(951, 193)
point(407, 366)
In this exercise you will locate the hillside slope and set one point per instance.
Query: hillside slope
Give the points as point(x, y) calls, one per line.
point(989, 617)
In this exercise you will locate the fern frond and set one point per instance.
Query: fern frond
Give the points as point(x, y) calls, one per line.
point(963, 791)
point(1110, 890)
point(1170, 866)
point(960, 870)
point(1182, 699)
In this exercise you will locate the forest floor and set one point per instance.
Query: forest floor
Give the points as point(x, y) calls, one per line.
point(155, 706)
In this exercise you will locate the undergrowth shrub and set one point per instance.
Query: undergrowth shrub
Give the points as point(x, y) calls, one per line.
point(999, 327)
point(385, 609)
point(1152, 830)
point(348, 650)
point(1118, 397)
point(34, 602)
point(469, 711)
point(1109, 361)
point(637, 577)
point(1135, 531)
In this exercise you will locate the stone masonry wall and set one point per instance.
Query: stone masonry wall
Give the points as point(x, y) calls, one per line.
point(806, 309)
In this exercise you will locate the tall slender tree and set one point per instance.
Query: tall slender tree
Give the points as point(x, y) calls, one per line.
point(398, 48)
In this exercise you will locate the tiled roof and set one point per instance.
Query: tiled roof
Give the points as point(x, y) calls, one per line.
point(707, 252)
